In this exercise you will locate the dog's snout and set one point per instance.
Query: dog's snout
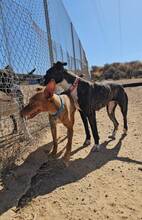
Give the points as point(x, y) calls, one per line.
point(25, 111)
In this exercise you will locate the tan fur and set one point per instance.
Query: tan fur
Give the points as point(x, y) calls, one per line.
point(40, 103)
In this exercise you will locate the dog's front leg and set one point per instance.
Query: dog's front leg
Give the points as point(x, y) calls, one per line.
point(66, 157)
point(54, 134)
point(86, 126)
point(93, 124)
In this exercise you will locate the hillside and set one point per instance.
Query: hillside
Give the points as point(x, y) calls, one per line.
point(117, 71)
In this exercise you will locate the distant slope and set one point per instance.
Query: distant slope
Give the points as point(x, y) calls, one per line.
point(117, 71)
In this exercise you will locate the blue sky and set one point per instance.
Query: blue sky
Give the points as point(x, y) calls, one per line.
point(110, 30)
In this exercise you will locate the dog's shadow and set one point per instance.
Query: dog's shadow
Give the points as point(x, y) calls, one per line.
point(53, 174)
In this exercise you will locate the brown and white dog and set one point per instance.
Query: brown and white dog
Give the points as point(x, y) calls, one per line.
point(62, 109)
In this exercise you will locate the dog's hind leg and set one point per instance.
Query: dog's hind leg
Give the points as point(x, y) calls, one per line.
point(124, 109)
point(111, 113)
point(86, 126)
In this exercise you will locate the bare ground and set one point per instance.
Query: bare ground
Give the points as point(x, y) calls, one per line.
point(96, 186)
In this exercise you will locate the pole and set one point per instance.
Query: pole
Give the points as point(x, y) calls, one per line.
point(73, 46)
point(50, 46)
point(80, 50)
point(48, 28)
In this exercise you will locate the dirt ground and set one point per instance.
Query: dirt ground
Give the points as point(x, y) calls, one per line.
point(96, 185)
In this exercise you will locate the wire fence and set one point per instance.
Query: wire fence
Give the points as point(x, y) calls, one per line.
point(33, 34)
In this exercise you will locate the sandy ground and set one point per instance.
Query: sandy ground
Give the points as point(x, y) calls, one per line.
point(96, 185)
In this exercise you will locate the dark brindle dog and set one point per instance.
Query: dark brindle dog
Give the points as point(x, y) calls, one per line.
point(90, 97)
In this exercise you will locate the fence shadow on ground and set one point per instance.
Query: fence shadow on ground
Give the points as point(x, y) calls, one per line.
point(50, 174)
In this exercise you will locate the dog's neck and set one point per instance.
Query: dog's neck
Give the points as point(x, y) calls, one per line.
point(55, 104)
point(68, 80)
point(70, 83)
point(65, 84)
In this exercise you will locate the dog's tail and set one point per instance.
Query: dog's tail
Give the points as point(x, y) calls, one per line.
point(132, 84)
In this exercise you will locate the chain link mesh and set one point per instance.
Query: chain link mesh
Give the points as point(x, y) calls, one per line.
point(23, 47)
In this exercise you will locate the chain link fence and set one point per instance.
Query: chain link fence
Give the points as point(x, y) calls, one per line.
point(33, 35)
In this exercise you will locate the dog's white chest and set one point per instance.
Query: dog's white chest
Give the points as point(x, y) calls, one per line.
point(64, 84)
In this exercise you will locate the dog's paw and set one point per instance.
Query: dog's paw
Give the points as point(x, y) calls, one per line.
point(124, 131)
point(53, 154)
point(14, 131)
point(96, 148)
point(66, 163)
point(66, 160)
point(112, 137)
point(87, 142)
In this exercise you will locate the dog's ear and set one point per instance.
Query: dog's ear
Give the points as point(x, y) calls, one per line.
point(59, 65)
point(50, 89)
point(64, 64)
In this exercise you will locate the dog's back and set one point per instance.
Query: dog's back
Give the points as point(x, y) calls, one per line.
point(102, 93)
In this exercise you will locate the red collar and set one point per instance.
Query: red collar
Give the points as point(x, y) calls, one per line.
point(74, 85)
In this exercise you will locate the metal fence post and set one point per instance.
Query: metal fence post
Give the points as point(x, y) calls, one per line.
point(87, 66)
point(73, 47)
point(80, 51)
point(48, 28)
point(62, 54)
point(50, 46)
point(68, 60)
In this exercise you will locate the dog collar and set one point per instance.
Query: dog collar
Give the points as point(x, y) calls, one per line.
point(74, 85)
point(57, 113)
